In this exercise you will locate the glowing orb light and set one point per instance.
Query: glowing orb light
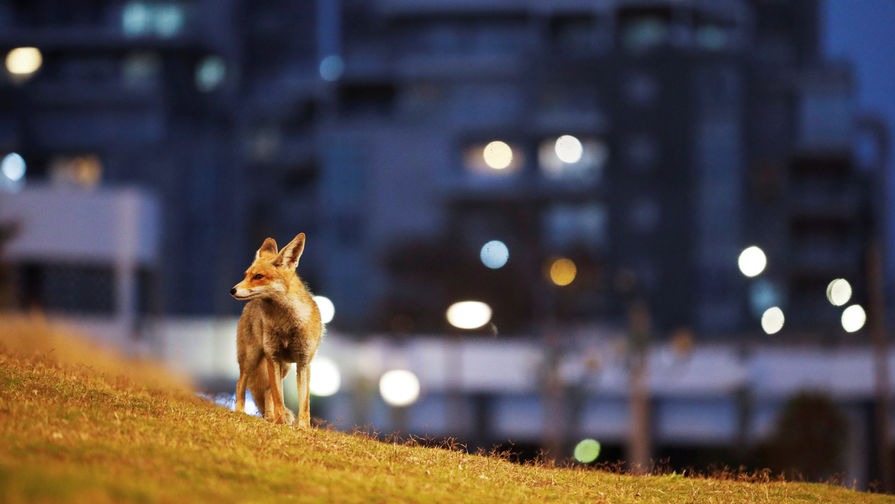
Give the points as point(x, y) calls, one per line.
point(498, 155)
point(23, 60)
point(853, 318)
point(326, 307)
point(839, 292)
point(325, 377)
point(563, 271)
point(772, 320)
point(568, 149)
point(13, 166)
point(587, 450)
point(332, 67)
point(752, 261)
point(210, 73)
point(399, 387)
point(494, 254)
point(468, 314)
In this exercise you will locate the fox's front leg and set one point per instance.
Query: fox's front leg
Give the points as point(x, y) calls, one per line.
point(276, 390)
point(303, 379)
point(241, 392)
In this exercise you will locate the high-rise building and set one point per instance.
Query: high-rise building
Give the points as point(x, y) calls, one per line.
point(647, 143)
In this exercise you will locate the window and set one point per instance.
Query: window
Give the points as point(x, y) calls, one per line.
point(567, 227)
point(644, 215)
point(641, 152)
point(165, 20)
point(83, 171)
point(78, 289)
point(641, 88)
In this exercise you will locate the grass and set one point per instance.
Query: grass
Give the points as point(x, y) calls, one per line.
point(77, 425)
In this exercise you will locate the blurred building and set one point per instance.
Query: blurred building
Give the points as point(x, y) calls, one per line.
point(704, 127)
point(699, 128)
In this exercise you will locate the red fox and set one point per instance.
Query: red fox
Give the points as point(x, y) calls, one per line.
point(279, 325)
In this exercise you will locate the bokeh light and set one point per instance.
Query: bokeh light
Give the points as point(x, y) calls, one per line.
point(23, 60)
point(563, 271)
point(772, 320)
point(325, 377)
point(752, 261)
point(13, 166)
point(587, 450)
point(568, 149)
point(331, 68)
point(839, 292)
point(399, 387)
point(326, 307)
point(494, 254)
point(210, 73)
point(853, 318)
point(497, 154)
point(468, 314)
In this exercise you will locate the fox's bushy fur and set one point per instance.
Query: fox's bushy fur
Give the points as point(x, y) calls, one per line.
point(279, 325)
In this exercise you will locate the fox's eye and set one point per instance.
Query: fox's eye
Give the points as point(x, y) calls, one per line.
point(258, 277)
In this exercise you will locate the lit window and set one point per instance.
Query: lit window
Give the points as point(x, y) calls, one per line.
point(168, 20)
point(80, 171)
point(141, 70)
point(210, 73)
point(645, 33)
point(495, 158)
point(712, 37)
point(164, 20)
point(135, 19)
point(572, 158)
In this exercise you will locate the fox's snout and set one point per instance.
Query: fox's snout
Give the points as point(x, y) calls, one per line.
point(233, 291)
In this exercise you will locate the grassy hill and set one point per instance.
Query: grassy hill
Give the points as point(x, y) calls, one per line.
point(83, 426)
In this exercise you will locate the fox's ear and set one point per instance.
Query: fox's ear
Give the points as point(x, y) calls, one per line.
point(268, 249)
point(288, 257)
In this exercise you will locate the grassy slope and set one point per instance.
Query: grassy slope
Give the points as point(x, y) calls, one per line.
point(76, 427)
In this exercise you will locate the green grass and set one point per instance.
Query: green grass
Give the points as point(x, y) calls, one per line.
point(77, 426)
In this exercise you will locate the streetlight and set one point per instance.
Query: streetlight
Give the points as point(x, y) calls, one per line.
point(468, 314)
point(853, 318)
point(752, 261)
point(23, 61)
point(772, 320)
point(399, 387)
point(326, 307)
point(497, 154)
point(839, 292)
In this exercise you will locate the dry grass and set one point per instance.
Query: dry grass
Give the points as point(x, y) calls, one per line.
point(78, 426)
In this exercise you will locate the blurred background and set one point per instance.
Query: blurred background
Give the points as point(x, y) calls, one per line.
point(635, 230)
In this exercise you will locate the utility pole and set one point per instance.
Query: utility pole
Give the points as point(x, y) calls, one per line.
point(880, 362)
point(639, 438)
point(878, 131)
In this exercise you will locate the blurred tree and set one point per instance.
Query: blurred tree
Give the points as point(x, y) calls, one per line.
point(810, 438)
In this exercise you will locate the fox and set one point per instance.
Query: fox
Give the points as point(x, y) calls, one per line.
point(279, 325)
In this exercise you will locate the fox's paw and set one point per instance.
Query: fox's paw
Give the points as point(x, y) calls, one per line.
point(288, 417)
